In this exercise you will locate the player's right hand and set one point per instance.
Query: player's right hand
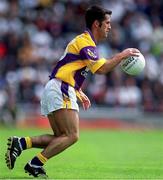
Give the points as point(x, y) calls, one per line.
point(84, 99)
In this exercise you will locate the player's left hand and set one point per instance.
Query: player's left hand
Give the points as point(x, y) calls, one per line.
point(84, 100)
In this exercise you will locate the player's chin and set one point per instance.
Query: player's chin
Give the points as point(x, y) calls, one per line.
point(106, 34)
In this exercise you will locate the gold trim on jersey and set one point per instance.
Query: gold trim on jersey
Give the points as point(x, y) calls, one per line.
point(95, 65)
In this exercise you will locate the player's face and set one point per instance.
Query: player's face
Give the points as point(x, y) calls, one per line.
point(105, 27)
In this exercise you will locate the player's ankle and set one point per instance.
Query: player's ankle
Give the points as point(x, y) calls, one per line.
point(25, 142)
point(39, 160)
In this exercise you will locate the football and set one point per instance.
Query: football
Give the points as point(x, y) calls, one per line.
point(133, 65)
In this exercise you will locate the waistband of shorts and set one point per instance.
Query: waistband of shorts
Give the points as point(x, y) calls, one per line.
point(63, 82)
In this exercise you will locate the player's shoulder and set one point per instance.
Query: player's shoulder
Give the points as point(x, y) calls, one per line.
point(84, 37)
point(84, 40)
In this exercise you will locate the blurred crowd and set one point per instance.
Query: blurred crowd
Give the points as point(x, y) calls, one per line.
point(34, 34)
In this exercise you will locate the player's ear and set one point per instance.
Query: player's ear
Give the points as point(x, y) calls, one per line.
point(96, 23)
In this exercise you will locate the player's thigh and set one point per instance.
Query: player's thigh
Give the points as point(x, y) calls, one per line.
point(66, 121)
point(53, 125)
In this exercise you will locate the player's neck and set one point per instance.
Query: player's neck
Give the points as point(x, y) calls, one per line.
point(96, 36)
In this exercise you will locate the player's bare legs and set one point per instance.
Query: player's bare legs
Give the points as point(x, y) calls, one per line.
point(67, 122)
point(64, 124)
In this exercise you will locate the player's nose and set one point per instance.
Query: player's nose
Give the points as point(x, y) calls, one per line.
point(109, 27)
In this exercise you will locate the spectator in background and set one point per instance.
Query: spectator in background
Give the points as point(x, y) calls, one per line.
point(23, 21)
point(129, 95)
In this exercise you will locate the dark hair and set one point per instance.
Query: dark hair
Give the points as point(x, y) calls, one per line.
point(95, 13)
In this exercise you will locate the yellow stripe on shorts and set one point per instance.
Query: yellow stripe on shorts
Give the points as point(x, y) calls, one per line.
point(66, 102)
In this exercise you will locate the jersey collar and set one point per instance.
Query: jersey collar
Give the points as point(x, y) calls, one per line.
point(90, 33)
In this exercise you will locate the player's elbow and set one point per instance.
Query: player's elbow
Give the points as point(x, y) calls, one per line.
point(102, 70)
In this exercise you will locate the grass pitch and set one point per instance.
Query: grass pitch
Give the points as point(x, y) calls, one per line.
point(98, 155)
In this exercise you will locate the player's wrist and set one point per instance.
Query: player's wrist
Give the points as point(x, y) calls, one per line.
point(119, 57)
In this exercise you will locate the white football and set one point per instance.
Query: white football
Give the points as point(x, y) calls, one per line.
point(133, 65)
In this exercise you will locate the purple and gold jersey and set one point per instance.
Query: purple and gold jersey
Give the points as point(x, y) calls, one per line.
point(80, 56)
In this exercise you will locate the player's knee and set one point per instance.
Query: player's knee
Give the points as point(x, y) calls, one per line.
point(74, 137)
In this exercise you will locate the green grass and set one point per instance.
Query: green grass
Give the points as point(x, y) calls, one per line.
point(97, 155)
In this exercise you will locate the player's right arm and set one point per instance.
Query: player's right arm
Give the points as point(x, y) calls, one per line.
point(83, 99)
point(111, 63)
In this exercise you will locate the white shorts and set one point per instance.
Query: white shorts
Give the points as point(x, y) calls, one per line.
point(58, 95)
